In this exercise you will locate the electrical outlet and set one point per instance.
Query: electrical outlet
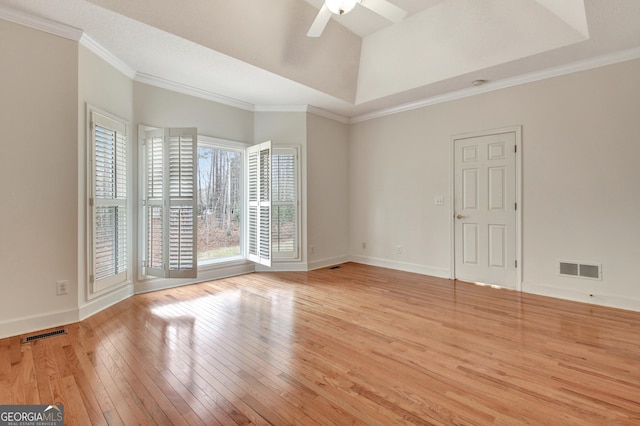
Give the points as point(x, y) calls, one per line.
point(399, 249)
point(364, 245)
point(312, 249)
point(62, 287)
point(439, 200)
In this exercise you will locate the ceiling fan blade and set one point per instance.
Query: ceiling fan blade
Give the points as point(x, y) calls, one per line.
point(320, 22)
point(385, 9)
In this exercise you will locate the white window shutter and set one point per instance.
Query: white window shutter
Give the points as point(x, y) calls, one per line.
point(108, 202)
point(259, 203)
point(182, 151)
point(154, 194)
point(170, 201)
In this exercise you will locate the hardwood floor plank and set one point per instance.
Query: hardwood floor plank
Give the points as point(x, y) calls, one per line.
point(26, 369)
point(353, 345)
point(124, 390)
point(94, 396)
point(41, 362)
point(75, 408)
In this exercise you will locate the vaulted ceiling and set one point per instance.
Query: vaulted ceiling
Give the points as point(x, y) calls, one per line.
point(257, 52)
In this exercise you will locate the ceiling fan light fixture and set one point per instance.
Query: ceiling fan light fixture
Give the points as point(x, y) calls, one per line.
point(340, 7)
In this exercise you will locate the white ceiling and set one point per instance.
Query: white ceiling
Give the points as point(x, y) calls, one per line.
point(256, 53)
point(362, 22)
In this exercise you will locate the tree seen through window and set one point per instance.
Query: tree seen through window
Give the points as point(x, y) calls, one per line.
point(219, 202)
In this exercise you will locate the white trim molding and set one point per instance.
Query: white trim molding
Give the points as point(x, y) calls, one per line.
point(324, 263)
point(600, 61)
point(192, 91)
point(107, 56)
point(30, 324)
point(310, 109)
point(39, 23)
point(326, 114)
point(402, 266)
point(222, 271)
point(101, 303)
point(610, 300)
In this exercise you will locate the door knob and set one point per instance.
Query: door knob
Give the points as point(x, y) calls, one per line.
point(459, 216)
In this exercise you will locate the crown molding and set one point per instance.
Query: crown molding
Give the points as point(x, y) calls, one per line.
point(107, 56)
point(326, 114)
point(41, 24)
point(192, 91)
point(303, 108)
point(280, 108)
point(597, 62)
point(82, 38)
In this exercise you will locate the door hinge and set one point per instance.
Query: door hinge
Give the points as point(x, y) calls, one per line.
point(515, 148)
point(91, 278)
point(516, 206)
point(91, 202)
point(516, 263)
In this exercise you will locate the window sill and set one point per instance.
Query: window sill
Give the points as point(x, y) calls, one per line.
point(211, 264)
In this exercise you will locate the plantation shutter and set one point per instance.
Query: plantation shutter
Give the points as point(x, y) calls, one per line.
point(170, 203)
point(259, 203)
point(108, 202)
point(284, 203)
point(154, 203)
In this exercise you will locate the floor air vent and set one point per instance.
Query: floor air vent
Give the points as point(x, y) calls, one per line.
point(44, 335)
point(581, 270)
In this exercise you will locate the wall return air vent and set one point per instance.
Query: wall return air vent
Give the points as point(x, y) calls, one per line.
point(581, 270)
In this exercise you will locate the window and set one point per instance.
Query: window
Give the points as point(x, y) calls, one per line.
point(108, 200)
point(195, 207)
point(169, 203)
point(284, 203)
point(219, 200)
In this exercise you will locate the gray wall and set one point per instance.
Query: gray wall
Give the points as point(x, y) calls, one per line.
point(38, 178)
point(580, 182)
point(328, 191)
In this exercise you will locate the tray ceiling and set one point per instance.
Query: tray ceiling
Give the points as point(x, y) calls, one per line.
point(257, 52)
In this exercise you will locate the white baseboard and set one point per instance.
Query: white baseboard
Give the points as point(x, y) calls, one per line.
point(221, 271)
point(608, 300)
point(103, 302)
point(18, 326)
point(403, 266)
point(331, 261)
point(279, 266)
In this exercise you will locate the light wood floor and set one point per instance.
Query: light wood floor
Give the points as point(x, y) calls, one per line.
point(354, 345)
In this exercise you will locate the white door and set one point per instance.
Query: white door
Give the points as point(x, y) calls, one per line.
point(485, 208)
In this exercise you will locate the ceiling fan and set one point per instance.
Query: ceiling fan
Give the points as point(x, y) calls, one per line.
point(339, 7)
